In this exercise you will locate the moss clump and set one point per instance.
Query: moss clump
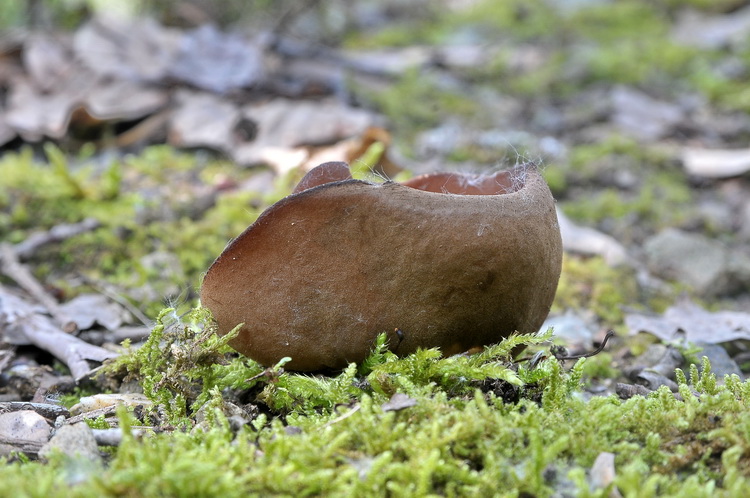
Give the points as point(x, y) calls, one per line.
point(417, 102)
point(455, 440)
point(590, 284)
point(659, 195)
point(153, 240)
point(184, 362)
point(657, 204)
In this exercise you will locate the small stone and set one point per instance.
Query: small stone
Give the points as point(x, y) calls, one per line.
point(25, 426)
point(76, 441)
point(721, 363)
point(706, 265)
point(603, 473)
point(99, 401)
point(643, 117)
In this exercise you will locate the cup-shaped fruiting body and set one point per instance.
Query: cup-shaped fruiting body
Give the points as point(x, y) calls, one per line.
point(446, 260)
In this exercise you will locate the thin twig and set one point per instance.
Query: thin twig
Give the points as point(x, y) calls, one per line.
point(14, 269)
point(58, 233)
point(21, 320)
point(107, 410)
point(542, 355)
point(610, 334)
point(342, 417)
point(114, 296)
point(28, 447)
point(46, 410)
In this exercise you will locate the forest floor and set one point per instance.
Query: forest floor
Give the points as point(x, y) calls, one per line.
point(134, 150)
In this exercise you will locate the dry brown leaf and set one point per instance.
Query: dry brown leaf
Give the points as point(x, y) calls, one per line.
point(88, 310)
point(33, 113)
point(398, 402)
point(284, 125)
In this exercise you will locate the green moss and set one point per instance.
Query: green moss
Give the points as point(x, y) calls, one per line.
point(517, 19)
point(416, 102)
point(616, 22)
point(591, 284)
point(145, 205)
point(661, 203)
point(445, 444)
point(726, 92)
point(587, 160)
point(661, 198)
point(600, 367)
point(425, 30)
point(635, 61)
point(98, 423)
point(555, 178)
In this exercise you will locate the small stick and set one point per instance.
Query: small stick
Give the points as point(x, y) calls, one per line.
point(46, 410)
point(28, 447)
point(114, 296)
point(610, 333)
point(107, 410)
point(20, 318)
point(13, 268)
point(541, 355)
point(113, 437)
point(343, 417)
point(57, 233)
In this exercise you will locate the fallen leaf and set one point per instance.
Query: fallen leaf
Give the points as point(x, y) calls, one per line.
point(48, 60)
point(34, 114)
point(87, 310)
point(686, 319)
point(203, 120)
point(288, 123)
point(136, 50)
point(284, 125)
point(398, 402)
point(217, 61)
point(105, 100)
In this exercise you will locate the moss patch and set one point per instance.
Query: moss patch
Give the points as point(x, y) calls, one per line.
point(462, 435)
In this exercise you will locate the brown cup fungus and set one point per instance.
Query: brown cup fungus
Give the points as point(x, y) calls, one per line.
point(446, 260)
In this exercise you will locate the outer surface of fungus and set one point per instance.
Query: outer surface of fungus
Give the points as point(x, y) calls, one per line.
point(452, 261)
